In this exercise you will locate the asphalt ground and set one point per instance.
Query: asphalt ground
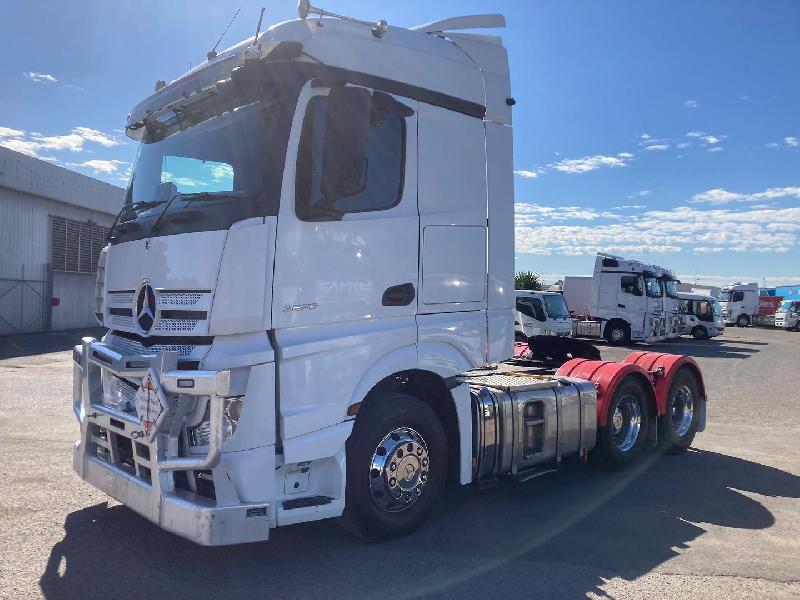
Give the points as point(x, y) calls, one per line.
point(722, 521)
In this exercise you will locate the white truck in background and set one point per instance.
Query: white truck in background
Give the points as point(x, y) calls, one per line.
point(302, 290)
point(739, 302)
point(626, 301)
point(701, 316)
point(541, 313)
point(788, 314)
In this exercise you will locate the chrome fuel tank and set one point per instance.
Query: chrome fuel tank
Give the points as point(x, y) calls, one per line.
point(523, 422)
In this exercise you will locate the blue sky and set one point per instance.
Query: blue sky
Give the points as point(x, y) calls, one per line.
point(664, 131)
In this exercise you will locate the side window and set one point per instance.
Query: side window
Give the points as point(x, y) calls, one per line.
point(351, 156)
point(538, 310)
point(704, 312)
point(685, 307)
point(631, 284)
point(524, 306)
point(737, 296)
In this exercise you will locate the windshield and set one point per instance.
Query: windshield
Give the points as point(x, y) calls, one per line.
point(716, 308)
point(724, 297)
point(555, 306)
point(671, 287)
point(206, 176)
point(652, 287)
point(785, 305)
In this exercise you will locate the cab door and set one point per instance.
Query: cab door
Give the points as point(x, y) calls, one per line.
point(632, 303)
point(346, 269)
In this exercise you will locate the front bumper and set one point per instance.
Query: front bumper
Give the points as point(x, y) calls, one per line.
point(147, 472)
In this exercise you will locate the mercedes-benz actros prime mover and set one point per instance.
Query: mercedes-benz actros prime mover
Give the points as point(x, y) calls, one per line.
point(309, 293)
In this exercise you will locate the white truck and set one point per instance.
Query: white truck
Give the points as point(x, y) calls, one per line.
point(788, 314)
point(701, 316)
point(626, 301)
point(541, 313)
point(739, 302)
point(313, 263)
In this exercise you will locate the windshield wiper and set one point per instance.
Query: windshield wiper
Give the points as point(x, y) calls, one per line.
point(133, 209)
point(190, 197)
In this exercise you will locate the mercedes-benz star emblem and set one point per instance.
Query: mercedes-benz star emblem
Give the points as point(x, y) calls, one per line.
point(145, 309)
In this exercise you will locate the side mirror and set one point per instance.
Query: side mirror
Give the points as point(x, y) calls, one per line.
point(347, 123)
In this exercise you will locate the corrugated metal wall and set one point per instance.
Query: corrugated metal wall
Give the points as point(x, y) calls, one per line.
point(25, 254)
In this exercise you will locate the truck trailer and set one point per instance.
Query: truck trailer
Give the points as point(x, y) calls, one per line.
point(309, 296)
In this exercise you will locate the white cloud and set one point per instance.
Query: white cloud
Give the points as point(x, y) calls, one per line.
point(723, 196)
point(39, 77)
point(625, 155)
point(107, 167)
point(683, 145)
point(657, 147)
point(33, 142)
point(547, 230)
point(695, 134)
point(590, 163)
point(712, 139)
point(690, 103)
point(644, 136)
point(630, 206)
point(715, 149)
point(791, 141)
point(92, 135)
point(526, 174)
point(773, 145)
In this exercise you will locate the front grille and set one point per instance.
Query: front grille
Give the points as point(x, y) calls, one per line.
point(180, 298)
point(179, 312)
point(173, 325)
point(129, 347)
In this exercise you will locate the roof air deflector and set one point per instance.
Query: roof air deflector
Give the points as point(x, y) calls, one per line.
point(466, 22)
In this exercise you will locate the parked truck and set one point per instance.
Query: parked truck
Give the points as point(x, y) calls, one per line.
point(312, 269)
point(788, 314)
point(701, 316)
point(627, 300)
point(739, 302)
point(539, 314)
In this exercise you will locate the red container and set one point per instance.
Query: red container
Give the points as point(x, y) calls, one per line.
point(767, 305)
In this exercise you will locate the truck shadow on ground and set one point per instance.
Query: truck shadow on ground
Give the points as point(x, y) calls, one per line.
point(31, 344)
point(558, 536)
point(697, 348)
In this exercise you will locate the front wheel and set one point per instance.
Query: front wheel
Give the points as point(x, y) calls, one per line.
point(396, 467)
point(618, 333)
point(623, 438)
point(700, 333)
point(743, 321)
point(678, 426)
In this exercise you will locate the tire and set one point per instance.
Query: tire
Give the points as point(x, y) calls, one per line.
point(384, 432)
point(677, 428)
point(618, 333)
point(742, 321)
point(620, 442)
point(700, 333)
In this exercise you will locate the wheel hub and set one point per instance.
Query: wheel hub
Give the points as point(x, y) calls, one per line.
point(399, 470)
point(682, 410)
point(626, 423)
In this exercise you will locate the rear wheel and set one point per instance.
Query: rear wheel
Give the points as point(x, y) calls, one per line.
point(678, 426)
point(700, 333)
point(622, 440)
point(743, 321)
point(396, 467)
point(618, 333)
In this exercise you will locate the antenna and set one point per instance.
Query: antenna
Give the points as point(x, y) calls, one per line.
point(304, 9)
point(212, 54)
point(258, 29)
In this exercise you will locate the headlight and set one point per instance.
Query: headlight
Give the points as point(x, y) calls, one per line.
point(231, 411)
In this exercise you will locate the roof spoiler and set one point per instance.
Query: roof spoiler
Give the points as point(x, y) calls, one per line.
point(493, 21)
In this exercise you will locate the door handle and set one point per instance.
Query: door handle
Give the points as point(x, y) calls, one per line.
point(620, 306)
point(399, 295)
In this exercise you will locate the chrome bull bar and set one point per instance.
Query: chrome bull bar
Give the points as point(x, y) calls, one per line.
point(95, 356)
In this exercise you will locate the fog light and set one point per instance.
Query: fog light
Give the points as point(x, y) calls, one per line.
point(231, 411)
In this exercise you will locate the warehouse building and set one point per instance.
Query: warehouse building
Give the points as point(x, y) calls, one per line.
point(53, 223)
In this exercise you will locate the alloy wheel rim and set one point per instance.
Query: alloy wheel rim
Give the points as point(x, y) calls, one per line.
point(682, 410)
point(626, 422)
point(399, 470)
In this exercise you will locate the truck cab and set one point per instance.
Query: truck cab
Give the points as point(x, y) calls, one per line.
point(672, 314)
point(627, 298)
point(541, 313)
point(701, 316)
point(788, 314)
point(739, 302)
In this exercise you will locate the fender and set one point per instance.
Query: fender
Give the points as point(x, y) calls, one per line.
point(399, 359)
point(653, 362)
point(444, 359)
point(606, 376)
